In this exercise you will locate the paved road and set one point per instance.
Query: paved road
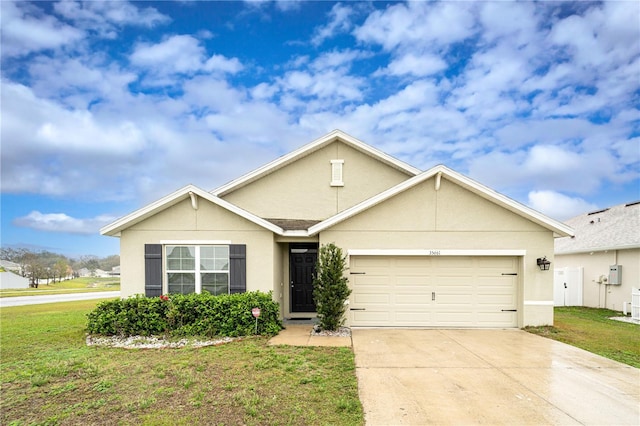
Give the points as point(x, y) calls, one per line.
point(6, 302)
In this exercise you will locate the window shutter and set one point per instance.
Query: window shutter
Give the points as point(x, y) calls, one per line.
point(152, 270)
point(237, 268)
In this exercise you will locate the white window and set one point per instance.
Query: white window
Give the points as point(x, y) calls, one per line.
point(336, 173)
point(194, 269)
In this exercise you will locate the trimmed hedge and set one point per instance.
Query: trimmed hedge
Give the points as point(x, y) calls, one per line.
point(186, 315)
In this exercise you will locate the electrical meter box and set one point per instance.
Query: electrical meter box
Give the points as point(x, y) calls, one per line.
point(615, 275)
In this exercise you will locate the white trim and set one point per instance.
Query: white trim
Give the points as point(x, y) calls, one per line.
point(308, 149)
point(598, 249)
point(433, 252)
point(114, 228)
point(557, 227)
point(195, 242)
point(539, 303)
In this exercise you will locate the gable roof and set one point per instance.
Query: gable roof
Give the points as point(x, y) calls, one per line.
point(440, 171)
point(300, 228)
point(613, 228)
point(336, 135)
point(189, 191)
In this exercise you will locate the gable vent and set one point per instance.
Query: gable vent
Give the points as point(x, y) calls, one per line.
point(336, 172)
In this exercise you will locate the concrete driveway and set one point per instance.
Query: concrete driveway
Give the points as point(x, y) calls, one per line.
point(511, 377)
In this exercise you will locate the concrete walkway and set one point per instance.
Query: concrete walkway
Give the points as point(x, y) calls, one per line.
point(300, 335)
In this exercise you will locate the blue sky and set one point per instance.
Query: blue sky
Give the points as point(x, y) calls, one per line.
point(107, 106)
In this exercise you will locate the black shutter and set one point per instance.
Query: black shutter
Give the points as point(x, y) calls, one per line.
point(152, 270)
point(237, 268)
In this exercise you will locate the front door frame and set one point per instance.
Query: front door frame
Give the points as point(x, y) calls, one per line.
point(294, 249)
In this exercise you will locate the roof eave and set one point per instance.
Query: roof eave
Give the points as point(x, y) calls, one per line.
point(559, 229)
point(596, 249)
point(308, 149)
point(114, 229)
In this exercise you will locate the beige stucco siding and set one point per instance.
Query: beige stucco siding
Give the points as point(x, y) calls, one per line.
point(302, 190)
point(456, 219)
point(597, 263)
point(209, 223)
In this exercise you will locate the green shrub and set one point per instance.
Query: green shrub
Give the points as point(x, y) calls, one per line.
point(330, 287)
point(186, 315)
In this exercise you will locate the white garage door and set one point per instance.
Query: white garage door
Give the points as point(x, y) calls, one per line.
point(434, 291)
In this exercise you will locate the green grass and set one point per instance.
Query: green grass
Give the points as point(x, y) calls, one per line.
point(84, 284)
point(49, 376)
point(592, 330)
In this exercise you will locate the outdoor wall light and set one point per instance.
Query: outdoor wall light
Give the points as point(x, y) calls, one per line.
point(543, 263)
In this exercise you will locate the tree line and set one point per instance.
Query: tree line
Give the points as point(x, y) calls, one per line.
point(45, 265)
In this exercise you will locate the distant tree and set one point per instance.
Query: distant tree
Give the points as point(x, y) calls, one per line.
point(60, 270)
point(34, 269)
point(107, 263)
point(91, 263)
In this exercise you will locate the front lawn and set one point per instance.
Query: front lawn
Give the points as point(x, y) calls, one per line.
point(49, 376)
point(592, 330)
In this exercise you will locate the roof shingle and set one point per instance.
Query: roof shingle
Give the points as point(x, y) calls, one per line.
point(608, 229)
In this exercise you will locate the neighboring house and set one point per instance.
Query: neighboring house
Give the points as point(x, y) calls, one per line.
point(11, 266)
point(85, 272)
point(431, 248)
point(602, 239)
point(11, 280)
point(115, 271)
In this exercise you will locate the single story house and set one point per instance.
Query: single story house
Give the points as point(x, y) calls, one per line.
point(9, 280)
point(424, 248)
point(599, 266)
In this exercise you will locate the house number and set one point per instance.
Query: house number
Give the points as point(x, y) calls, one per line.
point(434, 252)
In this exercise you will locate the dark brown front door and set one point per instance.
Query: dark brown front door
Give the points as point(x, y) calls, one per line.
point(302, 260)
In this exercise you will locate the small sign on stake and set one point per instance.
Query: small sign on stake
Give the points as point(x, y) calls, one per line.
point(256, 313)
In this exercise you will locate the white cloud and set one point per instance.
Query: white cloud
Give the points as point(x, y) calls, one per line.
point(61, 222)
point(417, 24)
point(559, 206)
point(416, 65)
point(339, 22)
point(179, 54)
point(222, 64)
point(519, 107)
point(104, 17)
point(26, 29)
point(563, 168)
point(176, 54)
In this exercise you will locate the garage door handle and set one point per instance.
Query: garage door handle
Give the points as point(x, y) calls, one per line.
point(511, 273)
point(357, 273)
point(357, 309)
point(509, 310)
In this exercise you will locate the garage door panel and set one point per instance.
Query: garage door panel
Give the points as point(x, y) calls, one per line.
point(500, 319)
point(371, 317)
point(413, 318)
point(372, 298)
point(469, 291)
point(505, 300)
point(409, 263)
point(411, 280)
point(369, 280)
